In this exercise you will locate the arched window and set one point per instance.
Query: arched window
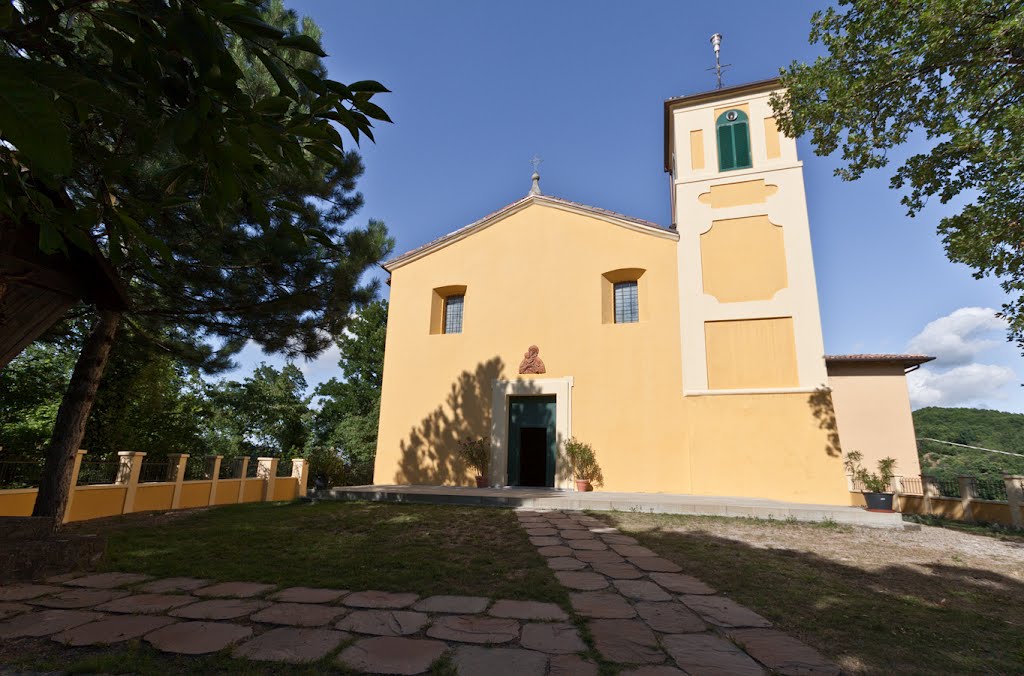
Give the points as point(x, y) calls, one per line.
point(733, 131)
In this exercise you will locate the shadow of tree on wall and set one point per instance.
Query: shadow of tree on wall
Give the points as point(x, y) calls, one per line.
point(876, 617)
point(820, 402)
point(430, 453)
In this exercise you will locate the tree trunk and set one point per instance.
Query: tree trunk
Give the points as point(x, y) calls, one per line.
point(69, 428)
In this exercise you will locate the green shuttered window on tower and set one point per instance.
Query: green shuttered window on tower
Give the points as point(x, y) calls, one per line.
point(733, 130)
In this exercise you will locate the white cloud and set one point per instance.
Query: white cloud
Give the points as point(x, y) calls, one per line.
point(958, 337)
point(971, 385)
point(957, 377)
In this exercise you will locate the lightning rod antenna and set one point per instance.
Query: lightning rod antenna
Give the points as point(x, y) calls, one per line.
point(716, 42)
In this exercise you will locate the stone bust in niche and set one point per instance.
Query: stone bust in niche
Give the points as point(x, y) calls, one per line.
point(532, 363)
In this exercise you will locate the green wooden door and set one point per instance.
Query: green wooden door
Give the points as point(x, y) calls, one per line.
point(531, 441)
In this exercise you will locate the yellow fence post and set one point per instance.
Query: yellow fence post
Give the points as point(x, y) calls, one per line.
point(176, 469)
point(214, 478)
point(929, 490)
point(967, 495)
point(267, 470)
point(75, 468)
point(129, 466)
point(241, 484)
point(300, 470)
point(897, 492)
point(1015, 498)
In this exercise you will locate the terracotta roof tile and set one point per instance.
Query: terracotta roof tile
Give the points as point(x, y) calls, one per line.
point(911, 359)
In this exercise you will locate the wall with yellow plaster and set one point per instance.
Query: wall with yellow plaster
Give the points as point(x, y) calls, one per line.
point(743, 259)
point(535, 277)
point(285, 488)
point(18, 502)
point(697, 149)
point(195, 494)
point(873, 414)
point(253, 490)
point(94, 502)
point(751, 354)
point(227, 492)
point(151, 497)
point(772, 139)
point(725, 195)
point(763, 445)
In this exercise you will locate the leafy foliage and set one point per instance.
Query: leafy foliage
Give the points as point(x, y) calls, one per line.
point(97, 94)
point(880, 482)
point(584, 461)
point(476, 452)
point(950, 71)
point(346, 423)
point(30, 388)
point(974, 427)
point(266, 414)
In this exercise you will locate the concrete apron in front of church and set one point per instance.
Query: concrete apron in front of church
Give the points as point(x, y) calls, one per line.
point(513, 397)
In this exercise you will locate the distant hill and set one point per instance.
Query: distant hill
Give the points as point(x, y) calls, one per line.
point(975, 427)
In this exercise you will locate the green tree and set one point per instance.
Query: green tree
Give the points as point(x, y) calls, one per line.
point(30, 388)
point(996, 430)
point(220, 200)
point(265, 414)
point(949, 72)
point(346, 423)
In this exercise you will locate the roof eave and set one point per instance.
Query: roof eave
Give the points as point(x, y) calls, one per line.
point(711, 95)
point(549, 200)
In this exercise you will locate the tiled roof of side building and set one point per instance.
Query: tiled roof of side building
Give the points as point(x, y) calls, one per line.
point(907, 359)
point(455, 234)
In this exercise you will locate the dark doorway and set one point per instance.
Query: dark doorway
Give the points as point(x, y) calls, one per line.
point(533, 451)
point(531, 441)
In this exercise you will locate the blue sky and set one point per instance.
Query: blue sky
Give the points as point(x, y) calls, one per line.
point(478, 88)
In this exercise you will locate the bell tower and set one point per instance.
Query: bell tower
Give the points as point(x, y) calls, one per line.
point(749, 317)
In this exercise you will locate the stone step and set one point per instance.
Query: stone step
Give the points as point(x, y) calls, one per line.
point(656, 503)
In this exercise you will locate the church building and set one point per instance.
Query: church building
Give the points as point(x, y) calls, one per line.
point(690, 356)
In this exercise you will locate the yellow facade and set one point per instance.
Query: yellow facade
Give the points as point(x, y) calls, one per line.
point(720, 386)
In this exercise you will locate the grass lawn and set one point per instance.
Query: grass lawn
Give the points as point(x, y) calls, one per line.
point(933, 601)
point(358, 546)
point(425, 549)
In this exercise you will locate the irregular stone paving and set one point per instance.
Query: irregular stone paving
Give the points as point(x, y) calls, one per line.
point(648, 617)
point(643, 615)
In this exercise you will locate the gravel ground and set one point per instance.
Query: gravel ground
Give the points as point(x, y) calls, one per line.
point(871, 548)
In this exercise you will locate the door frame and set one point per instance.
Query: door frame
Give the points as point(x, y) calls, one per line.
point(502, 391)
point(529, 408)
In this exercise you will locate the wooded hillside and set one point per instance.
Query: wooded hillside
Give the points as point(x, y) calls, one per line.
point(976, 427)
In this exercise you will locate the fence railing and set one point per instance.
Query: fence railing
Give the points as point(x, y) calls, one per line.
point(965, 498)
point(20, 473)
point(990, 489)
point(154, 472)
point(911, 485)
point(99, 472)
point(110, 487)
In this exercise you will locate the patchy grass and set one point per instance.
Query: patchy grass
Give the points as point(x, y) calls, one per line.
point(136, 657)
point(425, 549)
point(931, 602)
point(994, 530)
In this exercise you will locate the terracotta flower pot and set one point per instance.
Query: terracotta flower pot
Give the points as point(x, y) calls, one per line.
point(481, 482)
point(584, 485)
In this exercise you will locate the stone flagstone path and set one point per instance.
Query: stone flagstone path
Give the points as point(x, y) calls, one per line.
point(642, 614)
point(649, 618)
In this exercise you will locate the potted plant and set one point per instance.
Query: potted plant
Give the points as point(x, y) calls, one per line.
point(585, 469)
point(476, 453)
point(875, 486)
